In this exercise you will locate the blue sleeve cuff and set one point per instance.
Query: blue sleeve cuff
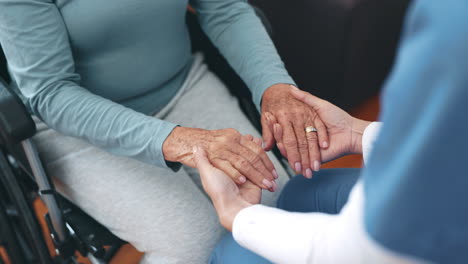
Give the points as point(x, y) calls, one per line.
point(160, 136)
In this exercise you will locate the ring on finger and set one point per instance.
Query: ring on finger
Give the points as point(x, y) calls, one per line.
point(310, 129)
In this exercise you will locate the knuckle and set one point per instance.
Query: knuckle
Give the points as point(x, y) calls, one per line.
point(302, 144)
point(258, 141)
point(314, 153)
point(283, 113)
point(231, 133)
point(312, 139)
point(299, 113)
point(243, 164)
point(290, 143)
point(255, 159)
point(257, 150)
point(224, 139)
point(247, 137)
point(226, 155)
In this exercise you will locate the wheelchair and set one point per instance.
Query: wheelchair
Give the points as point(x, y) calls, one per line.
point(23, 178)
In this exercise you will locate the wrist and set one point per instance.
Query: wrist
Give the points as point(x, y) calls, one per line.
point(170, 144)
point(227, 211)
point(178, 146)
point(358, 128)
point(272, 92)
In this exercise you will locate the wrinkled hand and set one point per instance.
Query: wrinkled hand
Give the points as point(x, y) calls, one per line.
point(228, 198)
point(240, 157)
point(300, 148)
point(345, 132)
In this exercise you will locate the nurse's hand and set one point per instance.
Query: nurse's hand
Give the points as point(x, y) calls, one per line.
point(345, 131)
point(302, 149)
point(228, 197)
point(240, 157)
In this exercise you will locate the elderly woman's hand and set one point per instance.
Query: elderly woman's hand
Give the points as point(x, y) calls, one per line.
point(300, 148)
point(240, 157)
point(345, 131)
point(228, 198)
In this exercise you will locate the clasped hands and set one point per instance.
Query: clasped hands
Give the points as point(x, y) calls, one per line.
point(343, 131)
point(286, 112)
point(243, 158)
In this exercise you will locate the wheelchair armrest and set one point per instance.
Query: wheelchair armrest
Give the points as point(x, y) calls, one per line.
point(16, 123)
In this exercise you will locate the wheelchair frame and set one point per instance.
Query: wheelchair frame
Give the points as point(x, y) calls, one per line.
point(21, 177)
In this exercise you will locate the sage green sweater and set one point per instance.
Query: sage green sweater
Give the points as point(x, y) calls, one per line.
point(97, 70)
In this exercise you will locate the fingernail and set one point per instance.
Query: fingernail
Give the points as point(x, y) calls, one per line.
point(275, 186)
point(275, 174)
point(316, 165)
point(325, 144)
point(294, 87)
point(267, 183)
point(308, 174)
point(298, 167)
point(242, 179)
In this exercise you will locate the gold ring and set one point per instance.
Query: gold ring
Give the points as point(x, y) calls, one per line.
point(310, 129)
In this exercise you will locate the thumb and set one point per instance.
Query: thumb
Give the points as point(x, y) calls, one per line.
point(201, 161)
point(307, 98)
point(267, 133)
point(206, 171)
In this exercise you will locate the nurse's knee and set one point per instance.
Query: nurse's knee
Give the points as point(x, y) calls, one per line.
point(298, 190)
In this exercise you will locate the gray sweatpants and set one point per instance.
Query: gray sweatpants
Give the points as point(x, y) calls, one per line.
point(167, 215)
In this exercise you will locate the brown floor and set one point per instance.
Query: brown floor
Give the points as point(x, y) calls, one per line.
point(129, 255)
point(369, 110)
